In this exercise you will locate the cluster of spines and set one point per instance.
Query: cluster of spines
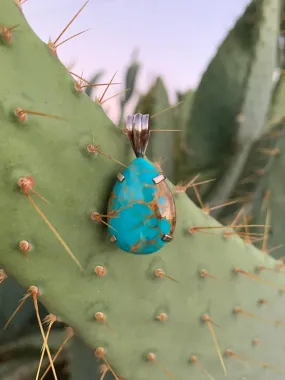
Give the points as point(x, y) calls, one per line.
point(101, 317)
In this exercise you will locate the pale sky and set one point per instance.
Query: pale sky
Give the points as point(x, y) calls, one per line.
point(176, 38)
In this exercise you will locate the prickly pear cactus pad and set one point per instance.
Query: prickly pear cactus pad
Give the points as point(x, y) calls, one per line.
point(187, 311)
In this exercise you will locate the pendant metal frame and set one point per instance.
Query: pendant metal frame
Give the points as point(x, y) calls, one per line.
point(158, 179)
point(167, 238)
point(120, 177)
point(138, 133)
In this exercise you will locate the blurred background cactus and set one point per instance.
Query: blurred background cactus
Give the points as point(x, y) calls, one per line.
point(90, 90)
point(130, 85)
point(230, 136)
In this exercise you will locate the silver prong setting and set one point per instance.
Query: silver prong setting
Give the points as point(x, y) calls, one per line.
point(120, 177)
point(159, 178)
point(167, 238)
point(113, 239)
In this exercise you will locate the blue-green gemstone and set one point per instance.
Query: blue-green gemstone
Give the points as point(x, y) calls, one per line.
point(140, 212)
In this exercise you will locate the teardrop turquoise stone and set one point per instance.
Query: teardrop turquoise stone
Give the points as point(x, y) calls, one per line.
point(140, 211)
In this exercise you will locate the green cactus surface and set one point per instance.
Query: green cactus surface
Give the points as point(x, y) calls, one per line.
point(260, 180)
point(231, 103)
point(277, 111)
point(257, 167)
point(268, 202)
point(149, 314)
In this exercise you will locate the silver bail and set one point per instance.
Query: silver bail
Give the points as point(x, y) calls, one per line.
point(138, 133)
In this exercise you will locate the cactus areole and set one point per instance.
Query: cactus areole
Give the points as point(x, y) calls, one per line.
point(141, 209)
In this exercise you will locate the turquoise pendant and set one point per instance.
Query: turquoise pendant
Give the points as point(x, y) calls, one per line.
point(141, 210)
